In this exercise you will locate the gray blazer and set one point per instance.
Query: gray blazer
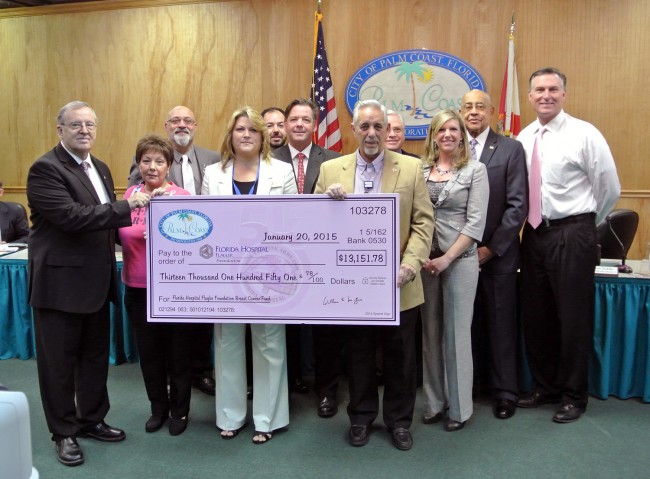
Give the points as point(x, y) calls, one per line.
point(317, 156)
point(462, 206)
point(203, 157)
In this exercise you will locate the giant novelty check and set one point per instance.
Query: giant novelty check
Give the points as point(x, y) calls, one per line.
point(273, 259)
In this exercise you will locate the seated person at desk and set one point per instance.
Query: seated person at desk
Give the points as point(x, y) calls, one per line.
point(13, 222)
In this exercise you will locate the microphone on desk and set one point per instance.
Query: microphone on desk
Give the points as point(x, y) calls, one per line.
point(622, 268)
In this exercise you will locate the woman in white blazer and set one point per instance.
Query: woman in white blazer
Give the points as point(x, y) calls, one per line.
point(247, 168)
point(458, 188)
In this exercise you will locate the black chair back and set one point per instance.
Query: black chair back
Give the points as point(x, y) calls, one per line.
point(624, 223)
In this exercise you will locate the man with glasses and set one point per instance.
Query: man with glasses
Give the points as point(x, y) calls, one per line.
point(186, 171)
point(395, 135)
point(494, 328)
point(72, 280)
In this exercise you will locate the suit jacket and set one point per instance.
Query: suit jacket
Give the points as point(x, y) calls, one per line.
point(408, 153)
point(403, 175)
point(505, 161)
point(204, 158)
point(462, 204)
point(276, 178)
point(71, 253)
point(317, 156)
point(13, 223)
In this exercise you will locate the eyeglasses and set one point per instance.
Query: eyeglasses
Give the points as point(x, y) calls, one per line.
point(177, 121)
point(78, 125)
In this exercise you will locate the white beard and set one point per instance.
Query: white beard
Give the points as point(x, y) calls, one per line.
point(182, 139)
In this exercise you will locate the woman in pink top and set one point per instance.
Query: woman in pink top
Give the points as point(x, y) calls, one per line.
point(164, 348)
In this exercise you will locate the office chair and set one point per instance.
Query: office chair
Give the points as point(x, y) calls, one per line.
point(615, 235)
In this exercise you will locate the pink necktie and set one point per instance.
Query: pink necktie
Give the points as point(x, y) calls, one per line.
point(301, 172)
point(535, 183)
point(85, 166)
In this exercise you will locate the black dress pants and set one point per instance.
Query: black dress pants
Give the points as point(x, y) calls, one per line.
point(399, 372)
point(72, 360)
point(558, 305)
point(165, 355)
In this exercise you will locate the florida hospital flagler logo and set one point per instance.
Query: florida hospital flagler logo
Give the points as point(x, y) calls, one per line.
point(416, 84)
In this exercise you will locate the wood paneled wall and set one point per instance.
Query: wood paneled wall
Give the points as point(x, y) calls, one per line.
point(134, 60)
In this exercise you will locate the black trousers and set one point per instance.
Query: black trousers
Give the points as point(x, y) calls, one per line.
point(164, 350)
point(399, 372)
point(329, 353)
point(495, 334)
point(558, 305)
point(72, 360)
point(201, 352)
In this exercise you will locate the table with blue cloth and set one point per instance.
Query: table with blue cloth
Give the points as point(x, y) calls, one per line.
point(620, 364)
point(16, 320)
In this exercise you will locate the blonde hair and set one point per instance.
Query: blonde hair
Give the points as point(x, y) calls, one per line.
point(227, 150)
point(431, 152)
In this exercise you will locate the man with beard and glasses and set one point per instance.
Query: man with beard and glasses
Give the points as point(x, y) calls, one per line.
point(274, 119)
point(186, 171)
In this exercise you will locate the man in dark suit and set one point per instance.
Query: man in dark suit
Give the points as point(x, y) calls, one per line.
point(306, 158)
point(72, 280)
point(13, 222)
point(494, 329)
point(186, 171)
point(396, 134)
point(274, 119)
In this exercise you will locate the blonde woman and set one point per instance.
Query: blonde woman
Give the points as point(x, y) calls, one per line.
point(458, 188)
point(247, 168)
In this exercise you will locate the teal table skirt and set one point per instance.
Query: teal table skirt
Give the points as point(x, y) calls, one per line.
point(17, 323)
point(620, 365)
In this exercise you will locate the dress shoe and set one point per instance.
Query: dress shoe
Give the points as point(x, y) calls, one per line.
point(536, 399)
point(177, 425)
point(154, 423)
point(327, 407)
point(568, 413)
point(299, 387)
point(402, 438)
point(69, 452)
point(453, 426)
point(429, 419)
point(204, 384)
point(504, 408)
point(359, 435)
point(103, 432)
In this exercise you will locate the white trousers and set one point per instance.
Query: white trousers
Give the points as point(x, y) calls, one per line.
point(270, 383)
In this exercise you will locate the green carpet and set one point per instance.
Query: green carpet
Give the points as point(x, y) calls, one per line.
point(610, 441)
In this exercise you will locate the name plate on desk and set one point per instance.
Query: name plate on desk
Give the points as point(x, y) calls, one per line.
point(273, 259)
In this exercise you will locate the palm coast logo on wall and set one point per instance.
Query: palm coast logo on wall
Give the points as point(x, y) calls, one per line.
point(185, 226)
point(416, 84)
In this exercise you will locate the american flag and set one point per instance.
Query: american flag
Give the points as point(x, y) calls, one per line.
point(327, 134)
point(509, 114)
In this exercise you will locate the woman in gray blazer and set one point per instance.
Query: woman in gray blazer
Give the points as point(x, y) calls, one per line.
point(458, 188)
point(247, 168)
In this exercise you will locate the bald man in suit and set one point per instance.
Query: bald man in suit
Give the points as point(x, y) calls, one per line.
point(374, 169)
point(187, 171)
point(494, 329)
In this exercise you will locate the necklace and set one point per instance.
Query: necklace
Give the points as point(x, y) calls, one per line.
point(443, 172)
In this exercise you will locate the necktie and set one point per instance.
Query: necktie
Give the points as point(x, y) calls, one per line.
point(86, 166)
point(301, 172)
point(535, 183)
point(188, 176)
point(472, 148)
